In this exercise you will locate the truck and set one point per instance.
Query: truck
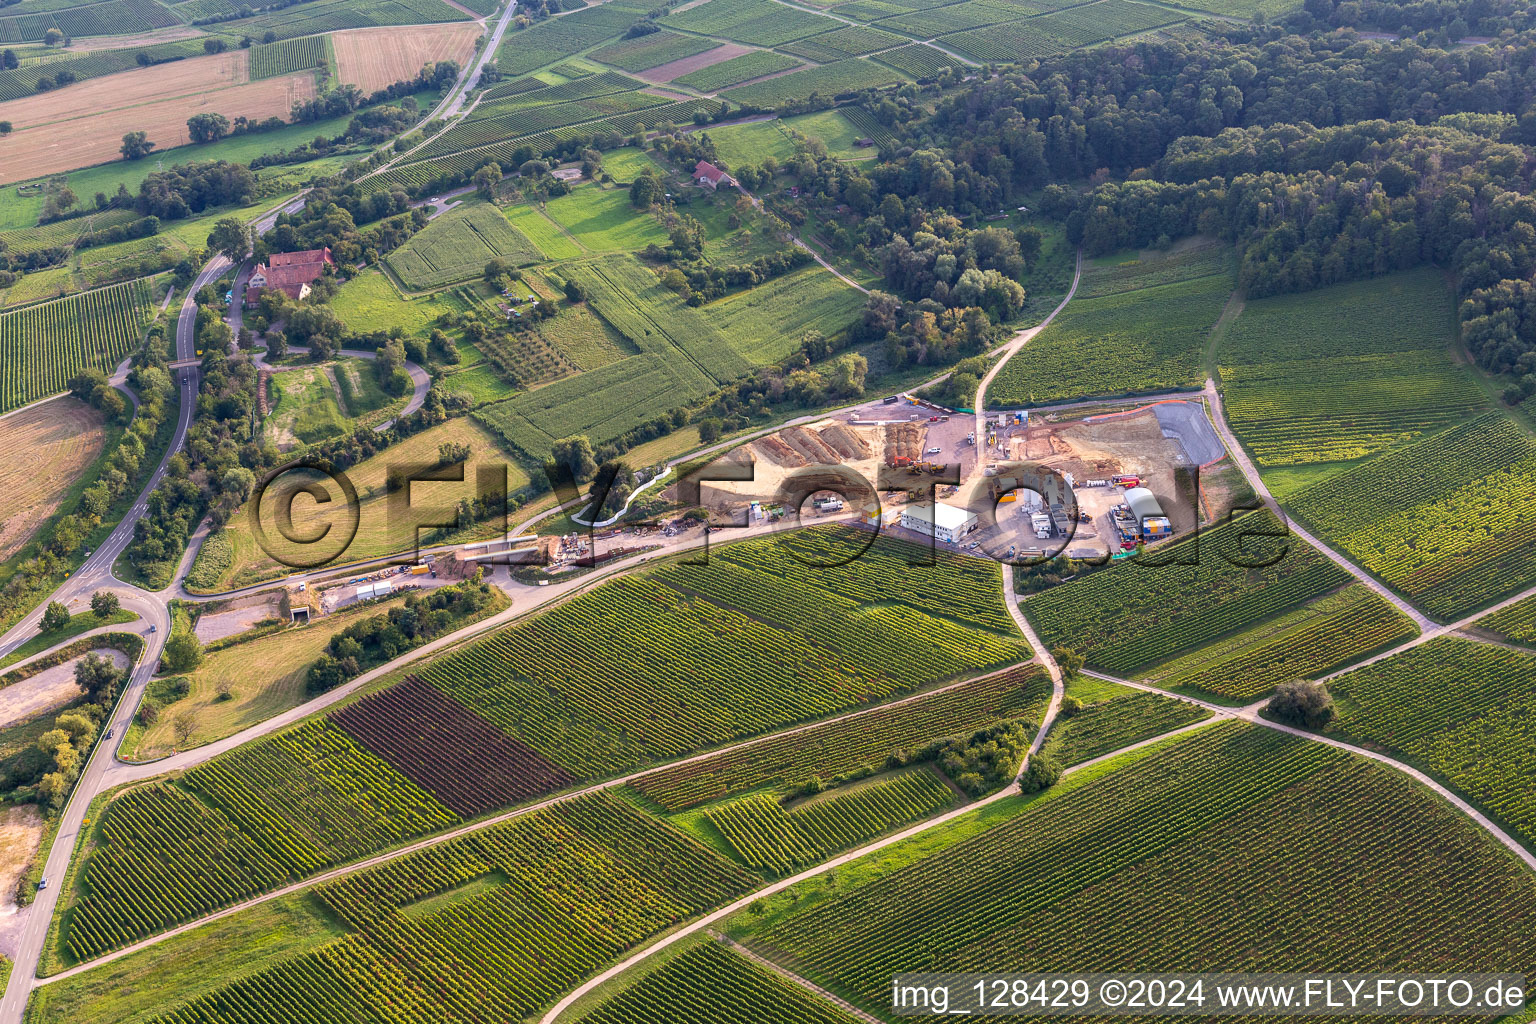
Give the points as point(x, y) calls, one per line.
point(420, 569)
point(889, 401)
point(1041, 523)
point(1125, 480)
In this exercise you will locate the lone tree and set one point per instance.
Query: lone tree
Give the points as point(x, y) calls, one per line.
point(1302, 703)
point(104, 603)
point(55, 617)
point(1068, 660)
point(99, 678)
point(182, 652)
point(53, 37)
point(207, 127)
point(136, 146)
point(231, 239)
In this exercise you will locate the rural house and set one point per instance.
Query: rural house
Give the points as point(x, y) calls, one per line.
point(710, 176)
point(289, 272)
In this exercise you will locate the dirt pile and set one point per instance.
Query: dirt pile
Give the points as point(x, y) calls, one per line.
point(903, 441)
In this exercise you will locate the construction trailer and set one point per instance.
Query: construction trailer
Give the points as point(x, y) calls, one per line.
point(948, 523)
point(1154, 523)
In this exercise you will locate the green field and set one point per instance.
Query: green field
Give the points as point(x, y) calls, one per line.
point(1129, 617)
point(1458, 709)
point(1311, 641)
point(766, 836)
point(42, 347)
point(457, 245)
point(852, 746)
point(1344, 372)
point(1212, 830)
point(766, 323)
point(836, 79)
point(604, 221)
point(729, 650)
point(1104, 726)
point(737, 70)
point(547, 237)
point(1147, 335)
point(739, 145)
point(1447, 521)
point(557, 39)
point(371, 302)
point(628, 163)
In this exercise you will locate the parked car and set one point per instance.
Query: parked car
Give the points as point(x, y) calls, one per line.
point(935, 451)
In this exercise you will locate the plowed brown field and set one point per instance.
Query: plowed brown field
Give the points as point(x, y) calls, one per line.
point(372, 58)
point(47, 446)
point(84, 124)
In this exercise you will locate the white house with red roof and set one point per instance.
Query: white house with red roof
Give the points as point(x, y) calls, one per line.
point(710, 176)
point(289, 272)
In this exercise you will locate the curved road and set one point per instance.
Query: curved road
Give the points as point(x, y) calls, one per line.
point(96, 574)
point(104, 771)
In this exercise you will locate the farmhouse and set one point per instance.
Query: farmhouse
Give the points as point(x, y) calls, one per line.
point(289, 272)
point(710, 176)
point(946, 522)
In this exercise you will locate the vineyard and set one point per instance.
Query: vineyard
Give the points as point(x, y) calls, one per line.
point(839, 749)
point(460, 759)
point(161, 858)
point(868, 126)
point(557, 39)
point(738, 69)
point(1459, 709)
point(43, 346)
point(920, 61)
point(1143, 340)
point(112, 18)
point(530, 92)
point(1344, 372)
point(1448, 521)
point(314, 797)
point(651, 50)
point(491, 124)
point(318, 16)
point(268, 60)
point(768, 652)
point(514, 916)
point(1130, 616)
point(951, 18)
point(1108, 726)
point(1107, 19)
point(601, 403)
point(769, 838)
point(1517, 622)
point(1207, 833)
point(759, 22)
point(842, 43)
point(711, 985)
point(836, 79)
point(1305, 644)
point(633, 302)
point(287, 806)
point(1013, 41)
point(457, 246)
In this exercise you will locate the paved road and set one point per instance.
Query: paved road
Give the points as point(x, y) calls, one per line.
point(1240, 456)
point(1018, 341)
point(96, 574)
point(491, 822)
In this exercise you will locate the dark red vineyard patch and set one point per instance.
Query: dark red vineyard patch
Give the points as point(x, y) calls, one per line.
point(468, 764)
